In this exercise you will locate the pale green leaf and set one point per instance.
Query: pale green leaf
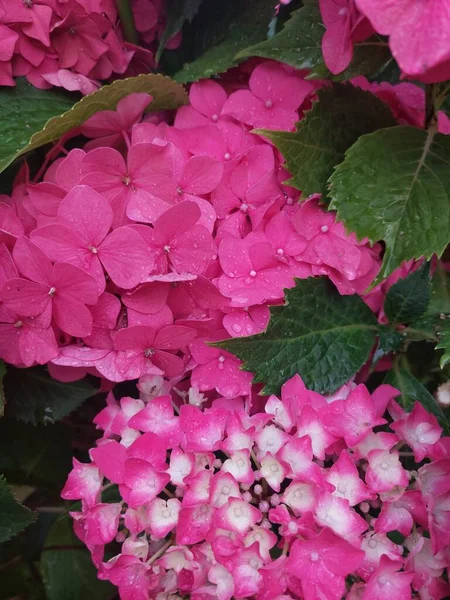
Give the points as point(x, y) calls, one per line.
point(394, 185)
point(31, 117)
point(323, 336)
point(342, 114)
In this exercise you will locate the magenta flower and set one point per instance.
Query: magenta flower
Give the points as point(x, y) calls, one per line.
point(34, 17)
point(8, 40)
point(252, 273)
point(275, 95)
point(178, 241)
point(344, 26)
point(107, 127)
point(418, 34)
point(147, 348)
point(63, 287)
point(206, 98)
point(81, 237)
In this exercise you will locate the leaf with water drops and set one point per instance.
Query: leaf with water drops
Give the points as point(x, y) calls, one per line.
point(31, 117)
point(340, 116)
point(394, 185)
point(323, 336)
point(14, 517)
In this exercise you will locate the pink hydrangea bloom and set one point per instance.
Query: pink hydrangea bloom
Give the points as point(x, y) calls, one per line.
point(418, 34)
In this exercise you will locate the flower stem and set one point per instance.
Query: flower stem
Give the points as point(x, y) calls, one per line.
point(127, 21)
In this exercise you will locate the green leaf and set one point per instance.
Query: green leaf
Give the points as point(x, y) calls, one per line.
point(299, 43)
point(394, 185)
point(2, 391)
point(323, 336)
point(342, 114)
point(369, 57)
point(408, 298)
point(220, 31)
point(46, 457)
point(413, 391)
point(444, 341)
point(389, 340)
point(31, 117)
point(34, 397)
point(14, 517)
point(67, 568)
point(177, 12)
point(440, 292)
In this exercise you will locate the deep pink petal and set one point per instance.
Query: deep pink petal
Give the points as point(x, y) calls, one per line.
point(72, 316)
point(32, 262)
point(73, 283)
point(87, 212)
point(24, 297)
point(126, 258)
point(148, 298)
point(207, 97)
point(174, 337)
point(177, 220)
point(134, 338)
point(201, 175)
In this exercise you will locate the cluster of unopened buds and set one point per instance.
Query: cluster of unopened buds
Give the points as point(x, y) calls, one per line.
point(73, 44)
point(309, 497)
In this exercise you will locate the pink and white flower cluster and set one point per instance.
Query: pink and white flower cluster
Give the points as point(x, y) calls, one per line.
point(154, 238)
point(289, 497)
point(74, 44)
point(418, 34)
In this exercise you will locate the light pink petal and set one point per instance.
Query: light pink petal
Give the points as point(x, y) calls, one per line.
point(126, 258)
point(87, 212)
point(73, 283)
point(32, 262)
point(201, 175)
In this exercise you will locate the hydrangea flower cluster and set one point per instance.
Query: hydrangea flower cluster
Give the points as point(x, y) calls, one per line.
point(155, 237)
point(422, 53)
point(72, 44)
point(279, 498)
